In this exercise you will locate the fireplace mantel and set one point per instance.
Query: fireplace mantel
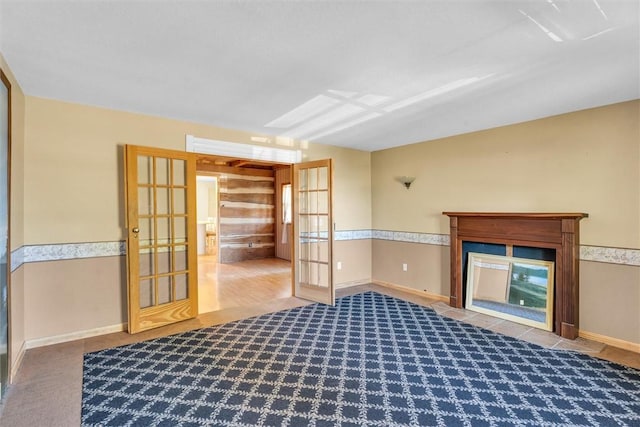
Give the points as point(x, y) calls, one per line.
point(559, 231)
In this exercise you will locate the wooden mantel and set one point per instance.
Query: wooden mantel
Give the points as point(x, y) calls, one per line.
point(559, 231)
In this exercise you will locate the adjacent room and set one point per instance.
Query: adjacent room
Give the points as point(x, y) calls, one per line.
point(243, 238)
point(295, 213)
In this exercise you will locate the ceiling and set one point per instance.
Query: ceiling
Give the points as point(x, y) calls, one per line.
point(366, 75)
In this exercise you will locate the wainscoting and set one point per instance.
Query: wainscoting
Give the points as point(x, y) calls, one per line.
point(94, 273)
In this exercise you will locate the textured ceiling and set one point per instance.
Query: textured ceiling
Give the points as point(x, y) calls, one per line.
point(366, 75)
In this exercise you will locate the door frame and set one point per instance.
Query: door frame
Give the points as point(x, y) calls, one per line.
point(294, 219)
point(215, 175)
point(4, 80)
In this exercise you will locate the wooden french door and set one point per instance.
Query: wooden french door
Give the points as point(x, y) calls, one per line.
point(161, 237)
point(313, 231)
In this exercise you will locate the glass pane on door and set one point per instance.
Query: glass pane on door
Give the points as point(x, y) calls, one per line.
point(181, 286)
point(147, 293)
point(162, 230)
point(145, 170)
point(313, 240)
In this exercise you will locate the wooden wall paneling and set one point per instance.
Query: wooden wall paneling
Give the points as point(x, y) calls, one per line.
point(247, 215)
point(244, 229)
point(220, 169)
point(261, 211)
point(260, 198)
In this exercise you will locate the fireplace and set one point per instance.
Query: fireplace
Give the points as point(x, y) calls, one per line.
point(557, 231)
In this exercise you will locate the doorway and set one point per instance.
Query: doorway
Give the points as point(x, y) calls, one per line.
point(161, 222)
point(241, 234)
point(207, 208)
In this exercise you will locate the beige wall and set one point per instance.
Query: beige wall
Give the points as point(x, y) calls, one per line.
point(72, 296)
point(352, 184)
point(73, 172)
point(610, 300)
point(355, 256)
point(68, 298)
point(587, 161)
point(17, 302)
point(73, 187)
point(427, 265)
point(17, 157)
point(73, 193)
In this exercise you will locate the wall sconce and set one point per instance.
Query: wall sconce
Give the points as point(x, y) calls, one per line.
point(407, 180)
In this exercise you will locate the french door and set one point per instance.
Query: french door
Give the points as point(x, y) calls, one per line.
point(162, 265)
point(313, 231)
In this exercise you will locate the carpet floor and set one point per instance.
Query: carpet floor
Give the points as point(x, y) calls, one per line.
point(369, 360)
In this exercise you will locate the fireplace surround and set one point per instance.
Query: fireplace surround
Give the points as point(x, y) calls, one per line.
point(558, 231)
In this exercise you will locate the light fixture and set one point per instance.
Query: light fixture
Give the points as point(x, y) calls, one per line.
point(407, 180)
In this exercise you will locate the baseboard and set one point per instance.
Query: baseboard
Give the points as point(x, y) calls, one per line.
point(18, 363)
point(57, 339)
point(352, 283)
point(412, 291)
point(614, 342)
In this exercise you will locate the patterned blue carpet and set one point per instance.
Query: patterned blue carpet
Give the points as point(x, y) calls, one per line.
point(371, 360)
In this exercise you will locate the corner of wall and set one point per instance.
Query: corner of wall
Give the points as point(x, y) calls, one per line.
point(16, 281)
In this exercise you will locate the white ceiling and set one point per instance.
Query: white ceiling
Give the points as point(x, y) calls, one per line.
point(361, 74)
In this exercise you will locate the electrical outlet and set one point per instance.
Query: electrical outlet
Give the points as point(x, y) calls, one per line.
point(339, 265)
point(405, 267)
point(521, 302)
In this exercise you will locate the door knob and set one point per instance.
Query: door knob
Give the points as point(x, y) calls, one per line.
point(136, 230)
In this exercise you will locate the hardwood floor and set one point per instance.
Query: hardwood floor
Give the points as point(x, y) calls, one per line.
point(241, 284)
point(47, 390)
